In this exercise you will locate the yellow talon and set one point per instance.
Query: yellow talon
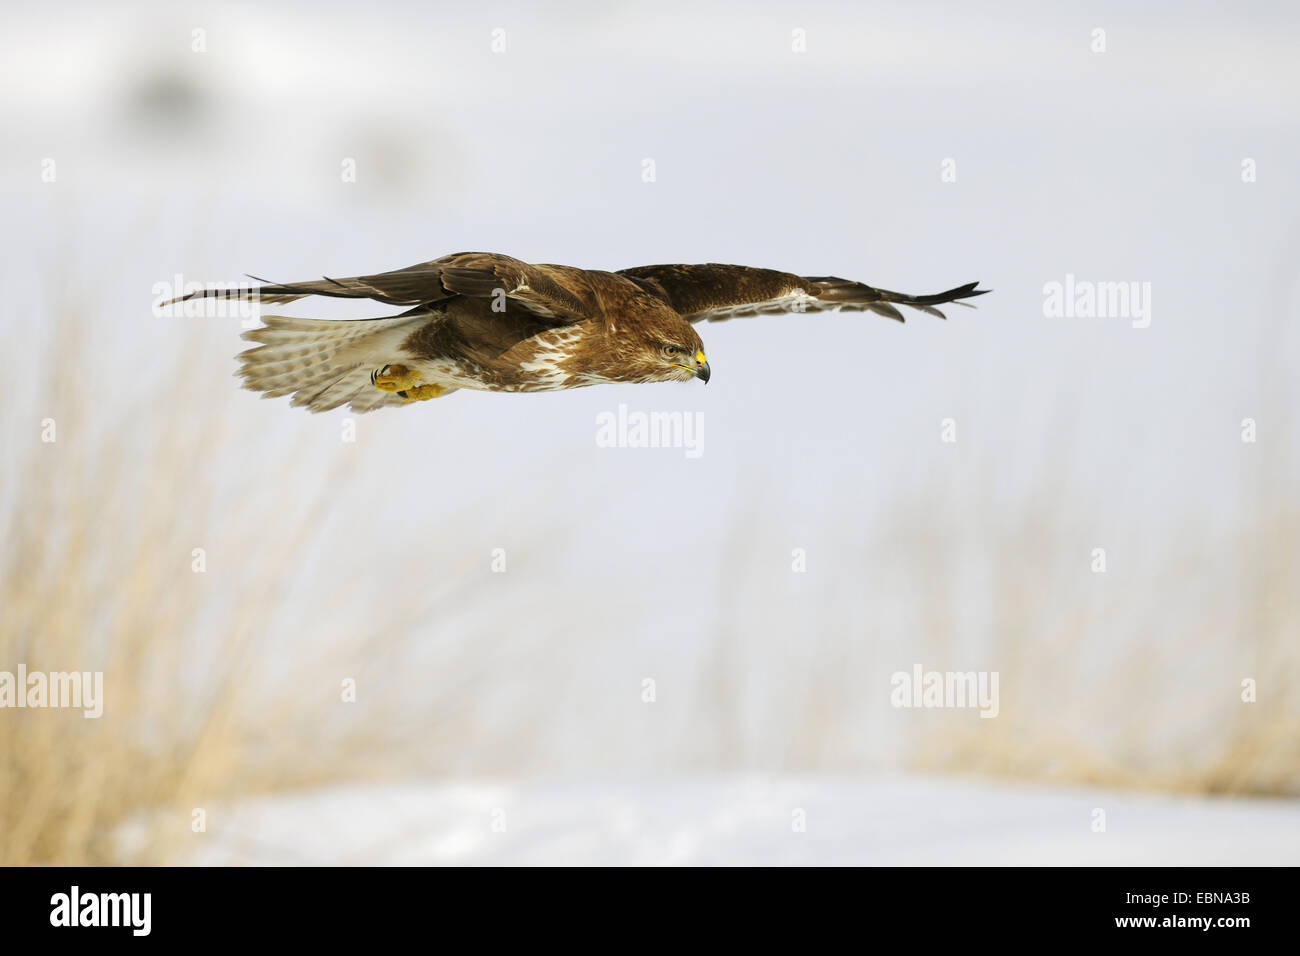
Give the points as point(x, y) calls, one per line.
point(421, 393)
point(395, 378)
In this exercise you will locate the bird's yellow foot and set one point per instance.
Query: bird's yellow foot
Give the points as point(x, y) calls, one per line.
point(420, 393)
point(395, 378)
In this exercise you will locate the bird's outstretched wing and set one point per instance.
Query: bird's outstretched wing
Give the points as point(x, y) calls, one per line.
point(551, 292)
point(716, 292)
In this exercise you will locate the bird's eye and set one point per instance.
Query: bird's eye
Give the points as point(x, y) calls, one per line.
point(671, 350)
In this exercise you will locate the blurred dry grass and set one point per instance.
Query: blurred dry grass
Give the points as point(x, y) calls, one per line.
point(206, 697)
point(95, 578)
point(1164, 711)
point(1128, 679)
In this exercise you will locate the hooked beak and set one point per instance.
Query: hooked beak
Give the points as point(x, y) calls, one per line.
point(702, 367)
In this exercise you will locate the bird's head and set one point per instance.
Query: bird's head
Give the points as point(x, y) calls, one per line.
point(662, 348)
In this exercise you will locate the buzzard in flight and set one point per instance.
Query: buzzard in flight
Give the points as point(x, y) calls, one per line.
point(486, 321)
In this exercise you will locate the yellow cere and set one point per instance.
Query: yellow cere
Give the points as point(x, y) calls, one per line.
point(699, 357)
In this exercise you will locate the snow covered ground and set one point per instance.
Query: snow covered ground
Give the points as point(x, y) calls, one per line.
point(749, 821)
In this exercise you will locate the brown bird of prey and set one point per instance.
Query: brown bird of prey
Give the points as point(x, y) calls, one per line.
point(486, 321)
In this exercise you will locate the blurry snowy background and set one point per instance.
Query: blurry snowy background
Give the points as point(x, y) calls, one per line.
point(149, 140)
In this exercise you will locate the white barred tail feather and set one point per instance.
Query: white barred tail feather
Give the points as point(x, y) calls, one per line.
point(325, 363)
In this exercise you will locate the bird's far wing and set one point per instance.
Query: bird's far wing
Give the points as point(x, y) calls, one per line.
point(717, 292)
point(549, 292)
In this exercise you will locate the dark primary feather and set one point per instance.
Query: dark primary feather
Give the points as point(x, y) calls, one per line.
point(554, 292)
point(833, 289)
point(715, 292)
